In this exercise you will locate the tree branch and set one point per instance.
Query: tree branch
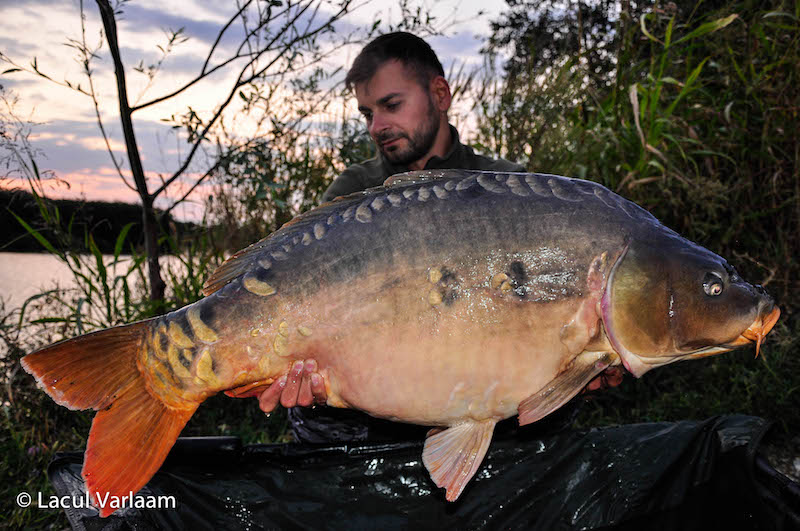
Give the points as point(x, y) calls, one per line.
point(107, 15)
point(240, 82)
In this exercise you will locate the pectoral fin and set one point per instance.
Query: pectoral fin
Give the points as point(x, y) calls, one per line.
point(251, 389)
point(452, 456)
point(563, 387)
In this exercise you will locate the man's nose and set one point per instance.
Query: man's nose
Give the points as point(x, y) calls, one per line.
point(378, 124)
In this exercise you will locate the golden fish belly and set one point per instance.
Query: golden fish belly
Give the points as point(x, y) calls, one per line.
point(403, 354)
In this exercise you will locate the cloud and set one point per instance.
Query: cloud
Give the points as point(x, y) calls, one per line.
point(69, 146)
point(138, 18)
point(456, 49)
point(11, 47)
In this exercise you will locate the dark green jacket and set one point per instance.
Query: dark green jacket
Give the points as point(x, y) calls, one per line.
point(375, 171)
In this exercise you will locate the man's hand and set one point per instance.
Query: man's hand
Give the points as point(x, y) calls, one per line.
point(610, 377)
point(303, 386)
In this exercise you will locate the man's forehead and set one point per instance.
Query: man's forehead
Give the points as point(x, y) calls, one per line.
point(390, 79)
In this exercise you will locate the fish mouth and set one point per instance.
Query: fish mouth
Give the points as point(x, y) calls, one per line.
point(755, 333)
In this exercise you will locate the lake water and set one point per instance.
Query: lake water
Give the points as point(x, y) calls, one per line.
point(23, 275)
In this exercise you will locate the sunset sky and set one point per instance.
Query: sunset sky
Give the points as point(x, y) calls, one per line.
point(68, 137)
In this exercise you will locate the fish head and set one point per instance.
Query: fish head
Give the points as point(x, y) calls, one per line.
point(669, 299)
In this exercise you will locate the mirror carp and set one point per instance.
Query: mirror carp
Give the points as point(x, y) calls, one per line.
point(453, 299)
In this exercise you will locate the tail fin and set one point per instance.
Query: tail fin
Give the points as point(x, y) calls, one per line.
point(133, 431)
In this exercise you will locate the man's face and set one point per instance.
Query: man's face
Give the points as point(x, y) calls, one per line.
point(401, 117)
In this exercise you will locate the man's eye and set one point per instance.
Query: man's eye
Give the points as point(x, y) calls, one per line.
point(392, 106)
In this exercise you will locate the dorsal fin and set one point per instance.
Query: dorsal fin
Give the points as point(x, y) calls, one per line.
point(413, 177)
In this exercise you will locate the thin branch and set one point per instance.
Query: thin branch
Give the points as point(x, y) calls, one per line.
point(35, 70)
point(176, 38)
point(222, 32)
point(107, 15)
point(238, 55)
point(87, 56)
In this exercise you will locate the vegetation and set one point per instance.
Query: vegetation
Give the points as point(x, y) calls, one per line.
point(690, 110)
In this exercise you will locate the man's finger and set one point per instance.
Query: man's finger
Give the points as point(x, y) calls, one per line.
point(304, 397)
point(318, 389)
point(292, 389)
point(268, 400)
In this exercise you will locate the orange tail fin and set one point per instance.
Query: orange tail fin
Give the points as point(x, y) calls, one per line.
point(133, 431)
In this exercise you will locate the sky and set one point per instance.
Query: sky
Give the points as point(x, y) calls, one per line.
point(66, 134)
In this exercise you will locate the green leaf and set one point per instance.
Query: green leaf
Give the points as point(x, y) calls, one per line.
point(50, 320)
point(12, 70)
point(668, 36)
point(687, 86)
point(33, 232)
point(654, 163)
point(644, 29)
point(121, 239)
point(708, 27)
point(671, 80)
point(779, 14)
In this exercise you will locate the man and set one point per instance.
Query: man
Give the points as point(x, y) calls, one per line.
point(401, 91)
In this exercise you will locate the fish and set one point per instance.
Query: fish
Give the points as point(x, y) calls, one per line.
point(452, 299)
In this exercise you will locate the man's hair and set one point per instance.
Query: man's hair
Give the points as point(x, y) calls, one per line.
point(414, 53)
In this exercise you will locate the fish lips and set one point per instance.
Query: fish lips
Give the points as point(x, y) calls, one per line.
point(755, 333)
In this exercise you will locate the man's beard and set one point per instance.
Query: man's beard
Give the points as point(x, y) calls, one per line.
point(418, 144)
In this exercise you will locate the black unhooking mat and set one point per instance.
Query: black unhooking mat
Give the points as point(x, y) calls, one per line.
point(684, 475)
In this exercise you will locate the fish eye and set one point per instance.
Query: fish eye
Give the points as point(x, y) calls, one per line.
point(712, 284)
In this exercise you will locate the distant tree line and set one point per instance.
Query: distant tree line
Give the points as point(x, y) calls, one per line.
point(104, 221)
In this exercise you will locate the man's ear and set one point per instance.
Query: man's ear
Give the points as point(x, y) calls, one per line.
point(440, 93)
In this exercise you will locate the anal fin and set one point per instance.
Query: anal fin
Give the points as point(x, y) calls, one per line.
point(452, 456)
point(565, 385)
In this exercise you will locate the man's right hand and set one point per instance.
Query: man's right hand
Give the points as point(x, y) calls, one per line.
point(303, 386)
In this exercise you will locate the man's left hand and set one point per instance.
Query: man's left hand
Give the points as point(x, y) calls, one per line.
point(303, 386)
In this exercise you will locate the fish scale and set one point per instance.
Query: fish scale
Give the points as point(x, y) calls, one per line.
point(447, 298)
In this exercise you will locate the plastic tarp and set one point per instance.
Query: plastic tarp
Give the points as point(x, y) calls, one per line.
point(684, 475)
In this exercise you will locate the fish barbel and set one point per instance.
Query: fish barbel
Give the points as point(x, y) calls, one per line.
point(453, 299)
